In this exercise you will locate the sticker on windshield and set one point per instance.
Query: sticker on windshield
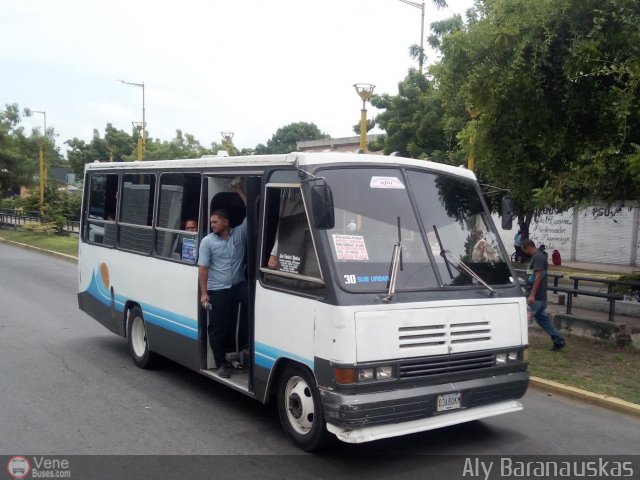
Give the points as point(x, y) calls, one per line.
point(351, 279)
point(386, 182)
point(350, 247)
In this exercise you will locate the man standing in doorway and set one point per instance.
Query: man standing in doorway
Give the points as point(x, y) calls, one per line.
point(221, 276)
point(537, 291)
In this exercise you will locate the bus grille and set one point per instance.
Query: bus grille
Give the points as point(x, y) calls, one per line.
point(444, 364)
point(453, 333)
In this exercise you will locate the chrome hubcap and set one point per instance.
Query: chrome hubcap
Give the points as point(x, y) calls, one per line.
point(138, 337)
point(299, 405)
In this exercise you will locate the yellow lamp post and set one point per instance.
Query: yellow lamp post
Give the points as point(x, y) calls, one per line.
point(43, 167)
point(474, 113)
point(421, 7)
point(365, 91)
point(228, 141)
point(139, 126)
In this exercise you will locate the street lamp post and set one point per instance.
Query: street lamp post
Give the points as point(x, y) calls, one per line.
point(42, 166)
point(421, 7)
point(365, 91)
point(228, 141)
point(137, 125)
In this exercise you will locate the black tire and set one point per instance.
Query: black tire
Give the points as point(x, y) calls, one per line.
point(300, 409)
point(137, 340)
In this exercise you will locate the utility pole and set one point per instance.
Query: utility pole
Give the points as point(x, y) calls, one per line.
point(137, 125)
point(421, 7)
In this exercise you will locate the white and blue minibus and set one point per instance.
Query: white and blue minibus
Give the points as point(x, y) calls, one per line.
point(381, 299)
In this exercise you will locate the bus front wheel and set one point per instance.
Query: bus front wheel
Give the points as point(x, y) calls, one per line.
point(137, 340)
point(300, 409)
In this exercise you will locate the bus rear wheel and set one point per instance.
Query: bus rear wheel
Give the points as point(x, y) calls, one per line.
point(137, 340)
point(300, 409)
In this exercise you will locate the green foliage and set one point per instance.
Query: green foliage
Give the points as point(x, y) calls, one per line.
point(377, 145)
point(286, 138)
point(182, 146)
point(116, 144)
point(48, 228)
point(627, 290)
point(18, 154)
point(371, 123)
point(544, 95)
point(412, 119)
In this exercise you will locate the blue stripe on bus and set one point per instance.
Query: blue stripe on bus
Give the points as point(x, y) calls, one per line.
point(171, 321)
point(267, 355)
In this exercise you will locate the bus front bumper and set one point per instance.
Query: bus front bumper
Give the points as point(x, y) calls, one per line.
point(365, 417)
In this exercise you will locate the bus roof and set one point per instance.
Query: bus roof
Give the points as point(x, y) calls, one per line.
point(296, 158)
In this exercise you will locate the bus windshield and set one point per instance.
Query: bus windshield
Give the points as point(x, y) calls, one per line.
point(374, 211)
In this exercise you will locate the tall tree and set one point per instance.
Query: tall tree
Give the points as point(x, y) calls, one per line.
point(184, 145)
point(544, 95)
point(550, 92)
point(286, 138)
point(412, 119)
point(116, 144)
point(19, 152)
point(17, 164)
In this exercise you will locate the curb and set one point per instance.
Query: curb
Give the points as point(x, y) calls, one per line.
point(69, 258)
point(606, 401)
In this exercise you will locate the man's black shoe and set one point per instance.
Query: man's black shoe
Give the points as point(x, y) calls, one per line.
point(559, 345)
point(224, 371)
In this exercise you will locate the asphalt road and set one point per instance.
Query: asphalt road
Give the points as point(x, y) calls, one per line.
point(68, 387)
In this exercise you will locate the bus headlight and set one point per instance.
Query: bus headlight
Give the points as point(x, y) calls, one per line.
point(371, 374)
point(384, 373)
point(508, 357)
point(366, 374)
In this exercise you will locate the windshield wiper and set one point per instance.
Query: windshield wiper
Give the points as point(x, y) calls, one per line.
point(396, 263)
point(446, 261)
point(393, 274)
point(460, 265)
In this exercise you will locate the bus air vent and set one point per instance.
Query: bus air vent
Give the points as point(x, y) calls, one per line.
point(445, 364)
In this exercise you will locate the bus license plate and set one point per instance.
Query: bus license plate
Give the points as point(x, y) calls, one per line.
point(450, 401)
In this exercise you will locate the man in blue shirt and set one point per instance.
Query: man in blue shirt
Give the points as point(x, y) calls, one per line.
point(221, 264)
point(537, 291)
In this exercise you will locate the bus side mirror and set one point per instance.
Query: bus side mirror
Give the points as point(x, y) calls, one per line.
point(322, 214)
point(506, 212)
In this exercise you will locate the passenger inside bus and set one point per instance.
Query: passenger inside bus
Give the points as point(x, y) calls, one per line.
point(184, 245)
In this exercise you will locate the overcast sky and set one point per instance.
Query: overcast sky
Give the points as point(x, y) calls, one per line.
point(247, 66)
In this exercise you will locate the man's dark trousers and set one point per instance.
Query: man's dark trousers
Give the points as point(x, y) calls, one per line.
point(222, 321)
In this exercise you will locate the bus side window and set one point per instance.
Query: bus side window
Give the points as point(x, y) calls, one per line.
point(288, 250)
point(178, 212)
point(136, 212)
point(100, 226)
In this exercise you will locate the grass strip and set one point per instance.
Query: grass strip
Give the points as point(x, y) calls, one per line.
point(56, 243)
point(598, 366)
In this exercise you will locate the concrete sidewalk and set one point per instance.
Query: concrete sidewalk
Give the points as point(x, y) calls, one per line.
point(597, 267)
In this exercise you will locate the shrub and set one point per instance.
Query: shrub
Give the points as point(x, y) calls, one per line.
point(629, 291)
point(50, 228)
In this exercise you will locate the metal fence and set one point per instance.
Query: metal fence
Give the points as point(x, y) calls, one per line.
point(17, 217)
